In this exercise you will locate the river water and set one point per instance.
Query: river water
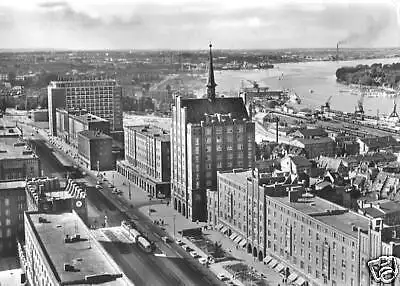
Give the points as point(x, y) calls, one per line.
point(302, 77)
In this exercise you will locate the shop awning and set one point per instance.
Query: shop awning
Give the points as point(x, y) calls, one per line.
point(273, 263)
point(267, 259)
point(299, 282)
point(279, 267)
point(224, 229)
point(233, 235)
point(219, 226)
point(243, 242)
point(292, 277)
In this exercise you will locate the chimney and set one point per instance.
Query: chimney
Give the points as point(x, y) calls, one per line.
point(337, 51)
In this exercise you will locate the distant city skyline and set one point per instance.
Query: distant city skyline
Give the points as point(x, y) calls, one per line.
point(190, 25)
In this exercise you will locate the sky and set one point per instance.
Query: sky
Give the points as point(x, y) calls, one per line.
point(192, 24)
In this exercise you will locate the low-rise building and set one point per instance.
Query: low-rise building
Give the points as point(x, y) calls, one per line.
point(60, 250)
point(12, 207)
point(72, 121)
point(17, 161)
point(309, 133)
point(147, 159)
point(373, 144)
point(39, 115)
point(296, 165)
point(95, 150)
point(316, 147)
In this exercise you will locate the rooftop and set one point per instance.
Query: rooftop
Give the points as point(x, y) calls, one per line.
point(322, 140)
point(19, 150)
point(197, 108)
point(301, 161)
point(151, 131)
point(87, 257)
point(238, 176)
point(329, 213)
point(11, 277)
point(312, 132)
point(93, 134)
point(9, 185)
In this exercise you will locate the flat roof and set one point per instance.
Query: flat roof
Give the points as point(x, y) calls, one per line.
point(93, 134)
point(87, 257)
point(12, 185)
point(238, 176)
point(151, 131)
point(11, 277)
point(15, 151)
point(342, 221)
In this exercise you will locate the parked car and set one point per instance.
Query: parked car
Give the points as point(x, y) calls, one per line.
point(188, 249)
point(183, 246)
point(98, 187)
point(194, 254)
point(166, 239)
point(222, 277)
point(203, 260)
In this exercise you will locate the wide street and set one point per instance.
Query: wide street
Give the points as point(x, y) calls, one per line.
point(175, 267)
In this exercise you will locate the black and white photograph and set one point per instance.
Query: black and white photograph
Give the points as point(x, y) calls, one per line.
point(199, 142)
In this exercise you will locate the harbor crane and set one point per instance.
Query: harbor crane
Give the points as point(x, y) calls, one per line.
point(254, 83)
point(327, 106)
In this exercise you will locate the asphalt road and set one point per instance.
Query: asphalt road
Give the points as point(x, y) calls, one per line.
point(176, 268)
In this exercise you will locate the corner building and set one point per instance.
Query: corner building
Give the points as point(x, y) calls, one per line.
point(207, 135)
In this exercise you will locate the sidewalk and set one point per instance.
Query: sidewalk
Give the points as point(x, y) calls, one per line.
point(168, 214)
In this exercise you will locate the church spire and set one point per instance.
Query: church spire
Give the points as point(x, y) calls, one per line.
point(211, 82)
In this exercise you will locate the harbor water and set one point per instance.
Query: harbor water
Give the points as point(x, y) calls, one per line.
point(314, 82)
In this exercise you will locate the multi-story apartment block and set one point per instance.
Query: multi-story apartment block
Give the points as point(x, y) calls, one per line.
point(60, 250)
point(315, 240)
point(147, 159)
point(207, 135)
point(12, 207)
point(95, 150)
point(100, 97)
point(71, 122)
point(18, 162)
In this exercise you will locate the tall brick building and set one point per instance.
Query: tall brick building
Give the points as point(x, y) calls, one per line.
point(207, 135)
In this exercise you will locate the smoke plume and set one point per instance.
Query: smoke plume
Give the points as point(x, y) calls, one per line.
point(372, 30)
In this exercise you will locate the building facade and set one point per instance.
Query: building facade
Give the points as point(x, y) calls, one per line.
point(12, 207)
point(18, 162)
point(207, 135)
point(147, 159)
point(99, 97)
point(53, 244)
point(95, 150)
point(71, 122)
point(317, 241)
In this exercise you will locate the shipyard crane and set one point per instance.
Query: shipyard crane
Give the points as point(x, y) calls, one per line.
point(327, 106)
point(254, 83)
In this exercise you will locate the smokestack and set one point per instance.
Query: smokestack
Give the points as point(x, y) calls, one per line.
point(337, 51)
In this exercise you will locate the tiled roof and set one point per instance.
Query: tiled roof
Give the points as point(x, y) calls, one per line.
point(311, 132)
point(301, 161)
point(381, 142)
point(198, 107)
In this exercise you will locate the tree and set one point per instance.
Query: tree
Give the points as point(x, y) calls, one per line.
point(3, 105)
point(218, 251)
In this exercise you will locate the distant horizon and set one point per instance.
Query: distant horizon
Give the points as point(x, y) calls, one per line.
point(191, 24)
point(16, 50)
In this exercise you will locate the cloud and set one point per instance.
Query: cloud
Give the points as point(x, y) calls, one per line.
point(187, 25)
point(55, 4)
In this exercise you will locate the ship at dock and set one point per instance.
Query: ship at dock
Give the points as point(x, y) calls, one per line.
point(263, 94)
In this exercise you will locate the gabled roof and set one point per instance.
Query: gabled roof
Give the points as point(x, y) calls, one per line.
point(198, 107)
point(379, 142)
point(322, 140)
point(301, 161)
point(330, 163)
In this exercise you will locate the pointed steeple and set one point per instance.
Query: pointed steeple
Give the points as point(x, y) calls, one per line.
point(211, 81)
